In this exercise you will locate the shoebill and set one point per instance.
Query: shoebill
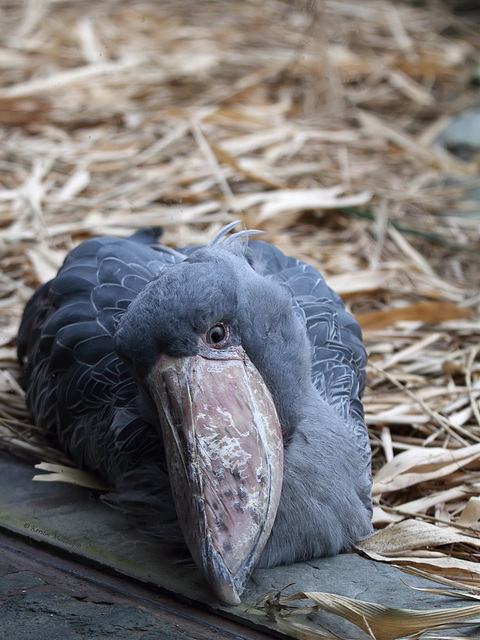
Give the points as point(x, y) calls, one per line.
point(217, 391)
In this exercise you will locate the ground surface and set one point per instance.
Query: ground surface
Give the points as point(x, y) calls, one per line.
point(72, 568)
point(44, 596)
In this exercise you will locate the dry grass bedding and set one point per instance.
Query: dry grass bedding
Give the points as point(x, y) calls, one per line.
point(318, 123)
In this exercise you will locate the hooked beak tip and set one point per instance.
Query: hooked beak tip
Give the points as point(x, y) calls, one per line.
point(224, 588)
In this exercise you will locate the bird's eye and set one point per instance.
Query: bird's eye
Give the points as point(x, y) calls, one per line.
point(217, 335)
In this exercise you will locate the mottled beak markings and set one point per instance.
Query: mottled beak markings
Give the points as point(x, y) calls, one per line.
point(224, 450)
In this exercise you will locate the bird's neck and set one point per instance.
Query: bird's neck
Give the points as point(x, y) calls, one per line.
point(325, 504)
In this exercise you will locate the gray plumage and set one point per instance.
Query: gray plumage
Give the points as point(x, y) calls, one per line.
point(91, 335)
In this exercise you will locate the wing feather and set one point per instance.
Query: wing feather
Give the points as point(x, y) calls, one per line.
point(338, 354)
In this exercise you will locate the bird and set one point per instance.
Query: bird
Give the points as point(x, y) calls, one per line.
point(217, 390)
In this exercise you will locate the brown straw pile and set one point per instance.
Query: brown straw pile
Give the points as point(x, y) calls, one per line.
point(316, 122)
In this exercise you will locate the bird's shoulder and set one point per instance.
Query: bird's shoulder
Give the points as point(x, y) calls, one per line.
point(72, 318)
point(98, 278)
point(338, 354)
point(66, 332)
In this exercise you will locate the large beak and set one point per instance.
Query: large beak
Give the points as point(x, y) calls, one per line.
point(224, 450)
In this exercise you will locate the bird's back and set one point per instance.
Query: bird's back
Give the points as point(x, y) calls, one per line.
point(77, 388)
point(338, 355)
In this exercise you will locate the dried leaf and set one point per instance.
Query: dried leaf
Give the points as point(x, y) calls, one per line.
point(381, 622)
point(412, 543)
point(281, 201)
point(63, 79)
point(431, 156)
point(427, 312)
point(74, 185)
point(45, 261)
point(60, 473)
point(417, 571)
point(410, 535)
point(421, 464)
point(349, 284)
point(471, 513)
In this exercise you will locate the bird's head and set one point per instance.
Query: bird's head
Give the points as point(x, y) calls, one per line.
point(222, 361)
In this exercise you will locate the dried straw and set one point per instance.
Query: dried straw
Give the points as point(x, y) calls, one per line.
point(315, 122)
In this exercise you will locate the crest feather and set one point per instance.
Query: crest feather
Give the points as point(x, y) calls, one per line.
point(240, 236)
